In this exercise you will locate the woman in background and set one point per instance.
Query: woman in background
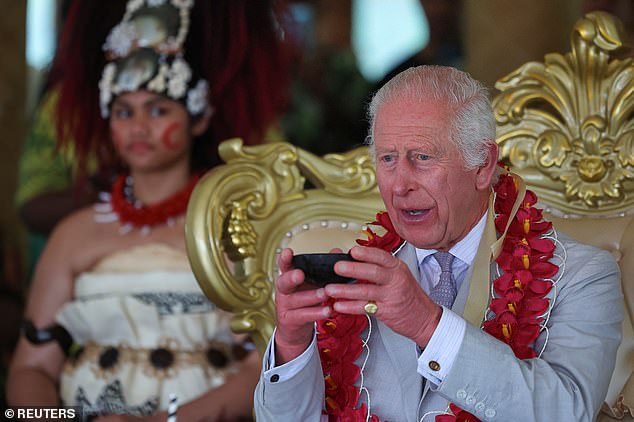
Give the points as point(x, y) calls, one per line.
point(115, 321)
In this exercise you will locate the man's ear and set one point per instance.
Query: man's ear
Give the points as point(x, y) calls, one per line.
point(202, 123)
point(485, 172)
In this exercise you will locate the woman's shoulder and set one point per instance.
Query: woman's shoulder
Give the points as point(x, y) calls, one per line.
point(86, 240)
point(77, 224)
point(69, 247)
point(79, 235)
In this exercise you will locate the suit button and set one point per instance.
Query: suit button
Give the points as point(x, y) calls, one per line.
point(275, 378)
point(434, 366)
point(461, 394)
point(470, 400)
point(489, 413)
point(479, 407)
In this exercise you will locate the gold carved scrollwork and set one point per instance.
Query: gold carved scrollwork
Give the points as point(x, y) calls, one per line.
point(341, 174)
point(566, 125)
point(240, 211)
point(239, 237)
point(218, 228)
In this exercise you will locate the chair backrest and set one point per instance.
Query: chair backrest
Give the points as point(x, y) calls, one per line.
point(265, 198)
point(566, 125)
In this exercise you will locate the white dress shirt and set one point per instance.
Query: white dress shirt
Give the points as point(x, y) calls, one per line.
point(446, 340)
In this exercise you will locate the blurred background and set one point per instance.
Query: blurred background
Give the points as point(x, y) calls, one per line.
point(348, 49)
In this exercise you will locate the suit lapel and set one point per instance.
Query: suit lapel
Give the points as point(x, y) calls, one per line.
point(463, 293)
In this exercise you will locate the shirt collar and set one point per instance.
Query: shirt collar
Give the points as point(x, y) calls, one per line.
point(465, 250)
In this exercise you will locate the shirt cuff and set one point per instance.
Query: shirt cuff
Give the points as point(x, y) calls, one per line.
point(441, 351)
point(289, 369)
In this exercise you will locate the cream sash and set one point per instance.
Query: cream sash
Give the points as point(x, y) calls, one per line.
point(488, 251)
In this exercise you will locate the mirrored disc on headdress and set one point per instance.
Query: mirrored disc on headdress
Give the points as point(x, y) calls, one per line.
point(155, 25)
point(135, 70)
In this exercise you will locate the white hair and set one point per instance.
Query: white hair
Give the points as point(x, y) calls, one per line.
point(473, 125)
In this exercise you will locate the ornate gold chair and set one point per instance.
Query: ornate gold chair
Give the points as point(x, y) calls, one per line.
point(263, 199)
point(567, 127)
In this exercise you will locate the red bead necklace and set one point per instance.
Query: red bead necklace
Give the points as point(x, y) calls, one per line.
point(131, 212)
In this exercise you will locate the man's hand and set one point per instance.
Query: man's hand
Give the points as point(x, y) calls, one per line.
point(297, 306)
point(403, 305)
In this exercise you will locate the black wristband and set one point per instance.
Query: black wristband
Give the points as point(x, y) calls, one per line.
point(55, 332)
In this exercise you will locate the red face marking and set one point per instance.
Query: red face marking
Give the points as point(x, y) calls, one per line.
point(166, 138)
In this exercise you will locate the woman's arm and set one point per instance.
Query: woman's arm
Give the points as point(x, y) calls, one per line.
point(35, 369)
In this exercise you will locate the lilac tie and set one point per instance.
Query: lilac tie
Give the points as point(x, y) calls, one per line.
point(444, 293)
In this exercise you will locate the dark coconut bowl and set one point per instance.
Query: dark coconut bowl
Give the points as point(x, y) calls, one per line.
point(318, 268)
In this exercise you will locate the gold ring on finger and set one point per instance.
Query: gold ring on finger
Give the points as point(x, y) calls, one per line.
point(371, 307)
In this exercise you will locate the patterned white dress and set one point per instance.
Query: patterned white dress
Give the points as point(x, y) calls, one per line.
point(143, 329)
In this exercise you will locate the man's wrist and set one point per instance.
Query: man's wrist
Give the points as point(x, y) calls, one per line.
point(286, 352)
point(428, 327)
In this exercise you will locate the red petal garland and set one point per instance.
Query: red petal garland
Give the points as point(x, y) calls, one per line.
point(150, 215)
point(518, 307)
point(339, 343)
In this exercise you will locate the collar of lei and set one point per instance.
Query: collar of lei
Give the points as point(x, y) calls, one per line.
point(131, 214)
point(517, 307)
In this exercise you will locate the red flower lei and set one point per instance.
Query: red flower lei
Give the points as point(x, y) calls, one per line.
point(149, 215)
point(519, 304)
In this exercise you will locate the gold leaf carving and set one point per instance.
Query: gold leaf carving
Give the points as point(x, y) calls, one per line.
point(566, 124)
point(625, 148)
point(239, 237)
point(551, 148)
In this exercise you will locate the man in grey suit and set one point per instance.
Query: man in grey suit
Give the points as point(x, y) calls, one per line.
point(552, 324)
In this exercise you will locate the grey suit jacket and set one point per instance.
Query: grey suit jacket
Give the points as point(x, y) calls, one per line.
point(568, 382)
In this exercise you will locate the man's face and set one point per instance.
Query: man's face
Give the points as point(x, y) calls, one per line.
point(432, 200)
